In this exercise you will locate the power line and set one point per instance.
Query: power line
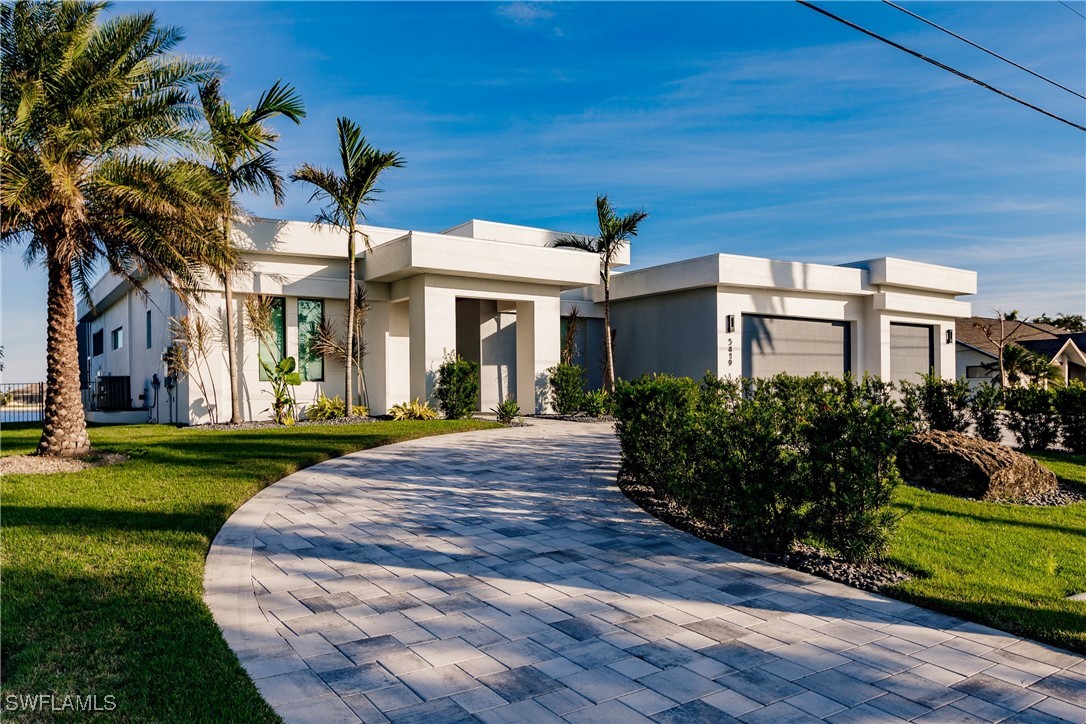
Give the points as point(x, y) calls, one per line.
point(981, 47)
point(1076, 12)
point(936, 63)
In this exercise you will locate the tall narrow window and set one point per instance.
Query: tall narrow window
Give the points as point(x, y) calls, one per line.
point(272, 351)
point(116, 338)
point(148, 329)
point(310, 316)
point(98, 343)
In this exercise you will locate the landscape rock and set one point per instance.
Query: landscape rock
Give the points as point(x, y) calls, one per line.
point(958, 464)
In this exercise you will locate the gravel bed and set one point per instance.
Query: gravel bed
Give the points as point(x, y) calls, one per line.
point(576, 418)
point(261, 424)
point(1065, 494)
point(867, 576)
point(43, 465)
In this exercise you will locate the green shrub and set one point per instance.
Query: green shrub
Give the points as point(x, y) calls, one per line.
point(1031, 416)
point(851, 436)
point(567, 388)
point(413, 410)
point(1071, 410)
point(749, 467)
point(936, 404)
point(457, 388)
point(326, 408)
point(596, 403)
point(507, 410)
point(655, 430)
point(984, 409)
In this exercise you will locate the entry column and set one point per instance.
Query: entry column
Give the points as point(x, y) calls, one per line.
point(538, 349)
point(433, 333)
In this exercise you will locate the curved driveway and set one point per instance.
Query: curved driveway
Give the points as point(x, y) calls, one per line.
point(501, 576)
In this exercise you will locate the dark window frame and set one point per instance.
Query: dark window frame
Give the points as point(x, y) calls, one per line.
point(303, 361)
point(116, 339)
point(281, 303)
point(98, 343)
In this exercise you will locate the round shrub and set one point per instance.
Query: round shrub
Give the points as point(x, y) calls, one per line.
point(567, 388)
point(457, 388)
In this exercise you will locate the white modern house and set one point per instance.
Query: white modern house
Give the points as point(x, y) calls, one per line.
point(500, 295)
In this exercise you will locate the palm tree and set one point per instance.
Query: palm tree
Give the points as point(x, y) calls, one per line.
point(615, 233)
point(1020, 365)
point(241, 159)
point(345, 197)
point(87, 109)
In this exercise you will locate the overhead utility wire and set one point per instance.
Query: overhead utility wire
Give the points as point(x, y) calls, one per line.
point(936, 63)
point(981, 47)
point(1076, 12)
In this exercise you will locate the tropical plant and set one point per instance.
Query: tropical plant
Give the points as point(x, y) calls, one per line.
point(1070, 322)
point(325, 340)
point(457, 388)
point(283, 378)
point(345, 197)
point(326, 408)
point(507, 410)
point(188, 356)
point(241, 147)
point(569, 343)
point(615, 233)
point(1019, 366)
point(567, 388)
point(413, 410)
point(93, 116)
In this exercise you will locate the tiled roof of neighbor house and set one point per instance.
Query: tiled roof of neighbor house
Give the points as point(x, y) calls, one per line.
point(970, 330)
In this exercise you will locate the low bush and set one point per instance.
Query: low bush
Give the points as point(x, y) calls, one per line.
point(656, 430)
point(457, 387)
point(413, 410)
point(1070, 405)
point(596, 403)
point(936, 404)
point(507, 410)
point(984, 409)
point(1031, 416)
point(567, 388)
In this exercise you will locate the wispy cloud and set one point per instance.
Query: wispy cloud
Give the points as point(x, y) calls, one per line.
point(524, 13)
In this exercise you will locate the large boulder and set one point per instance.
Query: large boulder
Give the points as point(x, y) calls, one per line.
point(968, 466)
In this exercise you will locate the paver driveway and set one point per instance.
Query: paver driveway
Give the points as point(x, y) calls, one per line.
point(501, 575)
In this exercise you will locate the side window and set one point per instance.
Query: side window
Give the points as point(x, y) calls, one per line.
point(116, 338)
point(148, 329)
point(98, 343)
point(310, 317)
point(272, 354)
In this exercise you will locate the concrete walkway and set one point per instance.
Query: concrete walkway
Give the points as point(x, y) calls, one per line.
point(501, 576)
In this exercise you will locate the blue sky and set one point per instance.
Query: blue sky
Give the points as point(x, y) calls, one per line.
point(747, 128)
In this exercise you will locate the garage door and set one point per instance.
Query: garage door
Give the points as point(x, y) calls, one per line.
point(797, 346)
point(912, 351)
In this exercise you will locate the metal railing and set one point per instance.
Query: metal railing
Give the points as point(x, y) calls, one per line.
point(22, 401)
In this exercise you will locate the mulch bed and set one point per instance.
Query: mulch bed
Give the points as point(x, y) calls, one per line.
point(44, 465)
point(872, 577)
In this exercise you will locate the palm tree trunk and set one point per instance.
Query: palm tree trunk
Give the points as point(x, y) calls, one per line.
point(64, 430)
point(231, 335)
point(609, 368)
point(349, 392)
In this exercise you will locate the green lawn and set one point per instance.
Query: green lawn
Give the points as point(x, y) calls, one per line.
point(103, 569)
point(1008, 566)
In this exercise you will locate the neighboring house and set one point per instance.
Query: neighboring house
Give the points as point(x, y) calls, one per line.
point(978, 357)
point(498, 294)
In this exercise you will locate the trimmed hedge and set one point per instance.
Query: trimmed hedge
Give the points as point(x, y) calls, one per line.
point(567, 388)
point(1070, 406)
point(1031, 416)
point(774, 460)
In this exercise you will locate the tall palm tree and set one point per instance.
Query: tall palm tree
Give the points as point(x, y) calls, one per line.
point(88, 107)
point(242, 145)
point(615, 233)
point(345, 198)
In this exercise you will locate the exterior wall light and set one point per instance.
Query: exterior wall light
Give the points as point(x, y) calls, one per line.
point(950, 336)
point(729, 323)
